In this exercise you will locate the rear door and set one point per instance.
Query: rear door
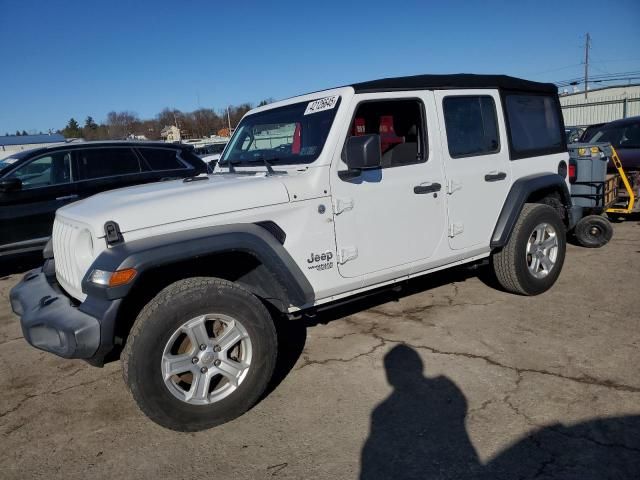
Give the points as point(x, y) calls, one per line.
point(477, 166)
point(26, 215)
point(100, 169)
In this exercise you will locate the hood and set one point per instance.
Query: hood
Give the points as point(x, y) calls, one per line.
point(155, 204)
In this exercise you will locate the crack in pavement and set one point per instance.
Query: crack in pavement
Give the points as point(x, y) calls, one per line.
point(10, 340)
point(584, 379)
point(29, 396)
point(307, 361)
point(83, 384)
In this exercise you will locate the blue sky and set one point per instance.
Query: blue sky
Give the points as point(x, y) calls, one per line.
point(65, 59)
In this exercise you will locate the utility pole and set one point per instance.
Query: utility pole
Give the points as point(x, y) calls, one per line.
point(229, 120)
point(587, 46)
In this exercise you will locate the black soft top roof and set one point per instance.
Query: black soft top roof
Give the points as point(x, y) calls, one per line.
point(459, 80)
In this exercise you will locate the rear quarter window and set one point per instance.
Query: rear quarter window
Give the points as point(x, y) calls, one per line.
point(535, 126)
point(162, 158)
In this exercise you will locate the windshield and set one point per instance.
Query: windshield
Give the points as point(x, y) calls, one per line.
point(12, 159)
point(287, 135)
point(622, 136)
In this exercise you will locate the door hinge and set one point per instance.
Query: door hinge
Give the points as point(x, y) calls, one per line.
point(342, 205)
point(347, 254)
point(452, 186)
point(455, 229)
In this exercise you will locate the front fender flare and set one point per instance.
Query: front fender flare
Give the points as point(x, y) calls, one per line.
point(162, 250)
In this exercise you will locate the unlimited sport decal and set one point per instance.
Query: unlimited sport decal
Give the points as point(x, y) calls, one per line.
point(326, 103)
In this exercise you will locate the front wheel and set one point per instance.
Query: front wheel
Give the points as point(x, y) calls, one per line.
point(199, 354)
point(531, 261)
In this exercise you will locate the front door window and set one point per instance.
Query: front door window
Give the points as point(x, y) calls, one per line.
point(51, 169)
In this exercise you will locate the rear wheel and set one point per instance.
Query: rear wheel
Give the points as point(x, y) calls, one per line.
point(593, 231)
point(200, 354)
point(532, 259)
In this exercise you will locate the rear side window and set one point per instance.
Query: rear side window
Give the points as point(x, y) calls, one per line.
point(106, 162)
point(472, 125)
point(161, 158)
point(534, 124)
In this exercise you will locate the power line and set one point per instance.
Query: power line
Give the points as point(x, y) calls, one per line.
point(577, 80)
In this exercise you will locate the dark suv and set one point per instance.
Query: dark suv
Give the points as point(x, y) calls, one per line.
point(624, 135)
point(35, 183)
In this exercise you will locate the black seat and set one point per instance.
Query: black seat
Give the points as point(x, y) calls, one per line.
point(406, 152)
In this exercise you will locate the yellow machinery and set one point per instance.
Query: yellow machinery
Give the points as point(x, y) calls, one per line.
point(595, 192)
point(630, 194)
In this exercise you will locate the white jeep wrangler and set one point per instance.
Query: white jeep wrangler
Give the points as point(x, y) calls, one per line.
point(316, 198)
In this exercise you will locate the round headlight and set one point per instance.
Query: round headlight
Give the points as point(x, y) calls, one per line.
point(84, 250)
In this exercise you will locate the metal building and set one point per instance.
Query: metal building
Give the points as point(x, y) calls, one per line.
point(16, 143)
point(601, 105)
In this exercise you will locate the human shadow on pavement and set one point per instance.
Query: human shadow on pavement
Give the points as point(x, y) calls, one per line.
point(419, 432)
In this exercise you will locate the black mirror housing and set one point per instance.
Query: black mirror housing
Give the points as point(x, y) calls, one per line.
point(363, 152)
point(10, 184)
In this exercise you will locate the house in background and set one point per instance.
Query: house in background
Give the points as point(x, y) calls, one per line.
point(16, 143)
point(171, 134)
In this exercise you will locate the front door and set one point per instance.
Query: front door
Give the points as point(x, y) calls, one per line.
point(26, 215)
point(476, 162)
point(392, 217)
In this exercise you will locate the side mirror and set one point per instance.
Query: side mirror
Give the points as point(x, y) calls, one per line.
point(10, 184)
point(363, 152)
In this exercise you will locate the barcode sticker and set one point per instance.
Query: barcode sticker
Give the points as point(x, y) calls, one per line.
point(326, 103)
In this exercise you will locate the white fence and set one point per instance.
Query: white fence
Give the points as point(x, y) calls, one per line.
point(605, 109)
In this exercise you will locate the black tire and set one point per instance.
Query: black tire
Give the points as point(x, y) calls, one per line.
point(593, 231)
point(510, 263)
point(157, 322)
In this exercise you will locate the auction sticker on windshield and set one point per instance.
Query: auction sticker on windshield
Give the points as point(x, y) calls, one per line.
point(326, 103)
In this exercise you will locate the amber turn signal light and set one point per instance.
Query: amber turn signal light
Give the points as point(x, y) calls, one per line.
point(122, 277)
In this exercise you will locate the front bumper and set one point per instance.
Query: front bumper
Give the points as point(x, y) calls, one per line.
point(52, 322)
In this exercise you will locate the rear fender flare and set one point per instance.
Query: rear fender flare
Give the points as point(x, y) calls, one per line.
point(520, 191)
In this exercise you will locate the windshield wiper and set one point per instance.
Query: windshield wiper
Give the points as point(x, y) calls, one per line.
point(267, 163)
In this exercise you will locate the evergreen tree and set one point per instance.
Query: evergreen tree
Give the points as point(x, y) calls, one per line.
point(90, 124)
point(72, 130)
point(17, 133)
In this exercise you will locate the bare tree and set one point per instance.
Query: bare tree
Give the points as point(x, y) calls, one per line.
point(122, 124)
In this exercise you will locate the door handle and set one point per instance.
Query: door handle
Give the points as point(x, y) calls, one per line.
point(495, 176)
point(67, 197)
point(428, 188)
